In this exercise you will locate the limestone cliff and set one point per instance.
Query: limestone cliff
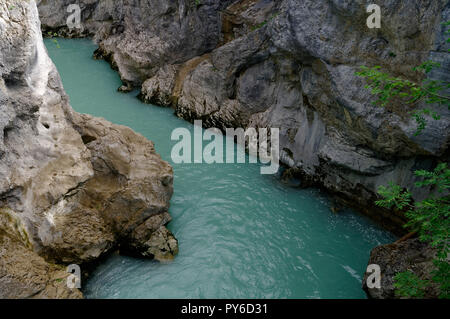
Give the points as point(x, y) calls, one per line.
point(72, 187)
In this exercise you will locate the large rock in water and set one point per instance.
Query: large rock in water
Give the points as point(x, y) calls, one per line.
point(72, 187)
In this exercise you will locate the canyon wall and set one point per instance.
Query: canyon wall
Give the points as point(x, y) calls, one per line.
point(288, 64)
point(72, 187)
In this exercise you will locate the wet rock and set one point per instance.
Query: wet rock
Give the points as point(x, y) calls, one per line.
point(152, 239)
point(126, 88)
point(159, 89)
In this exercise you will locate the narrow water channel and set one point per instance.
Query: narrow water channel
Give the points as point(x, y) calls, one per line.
point(241, 234)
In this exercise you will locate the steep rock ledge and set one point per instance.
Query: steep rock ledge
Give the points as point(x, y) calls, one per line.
point(72, 187)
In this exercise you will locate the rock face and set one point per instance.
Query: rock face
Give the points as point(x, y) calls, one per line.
point(409, 255)
point(287, 64)
point(140, 37)
point(72, 187)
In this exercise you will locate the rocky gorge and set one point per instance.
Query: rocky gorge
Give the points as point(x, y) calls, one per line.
point(73, 187)
point(288, 64)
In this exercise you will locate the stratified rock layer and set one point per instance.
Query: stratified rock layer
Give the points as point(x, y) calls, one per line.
point(72, 187)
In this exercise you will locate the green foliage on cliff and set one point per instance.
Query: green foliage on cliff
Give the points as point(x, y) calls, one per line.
point(408, 284)
point(430, 218)
point(388, 88)
point(55, 41)
point(442, 276)
point(393, 195)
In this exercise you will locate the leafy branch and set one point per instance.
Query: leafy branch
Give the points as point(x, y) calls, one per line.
point(51, 35)
point(387, 87)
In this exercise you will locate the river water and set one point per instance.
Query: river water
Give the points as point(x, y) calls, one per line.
point(241, 234)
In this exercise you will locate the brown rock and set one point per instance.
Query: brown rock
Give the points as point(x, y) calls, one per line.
point(24, 274)
point(409, 255)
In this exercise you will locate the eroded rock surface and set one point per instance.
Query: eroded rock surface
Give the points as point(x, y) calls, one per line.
point(72, 187)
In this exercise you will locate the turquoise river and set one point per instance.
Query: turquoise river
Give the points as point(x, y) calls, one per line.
point(241, 234)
